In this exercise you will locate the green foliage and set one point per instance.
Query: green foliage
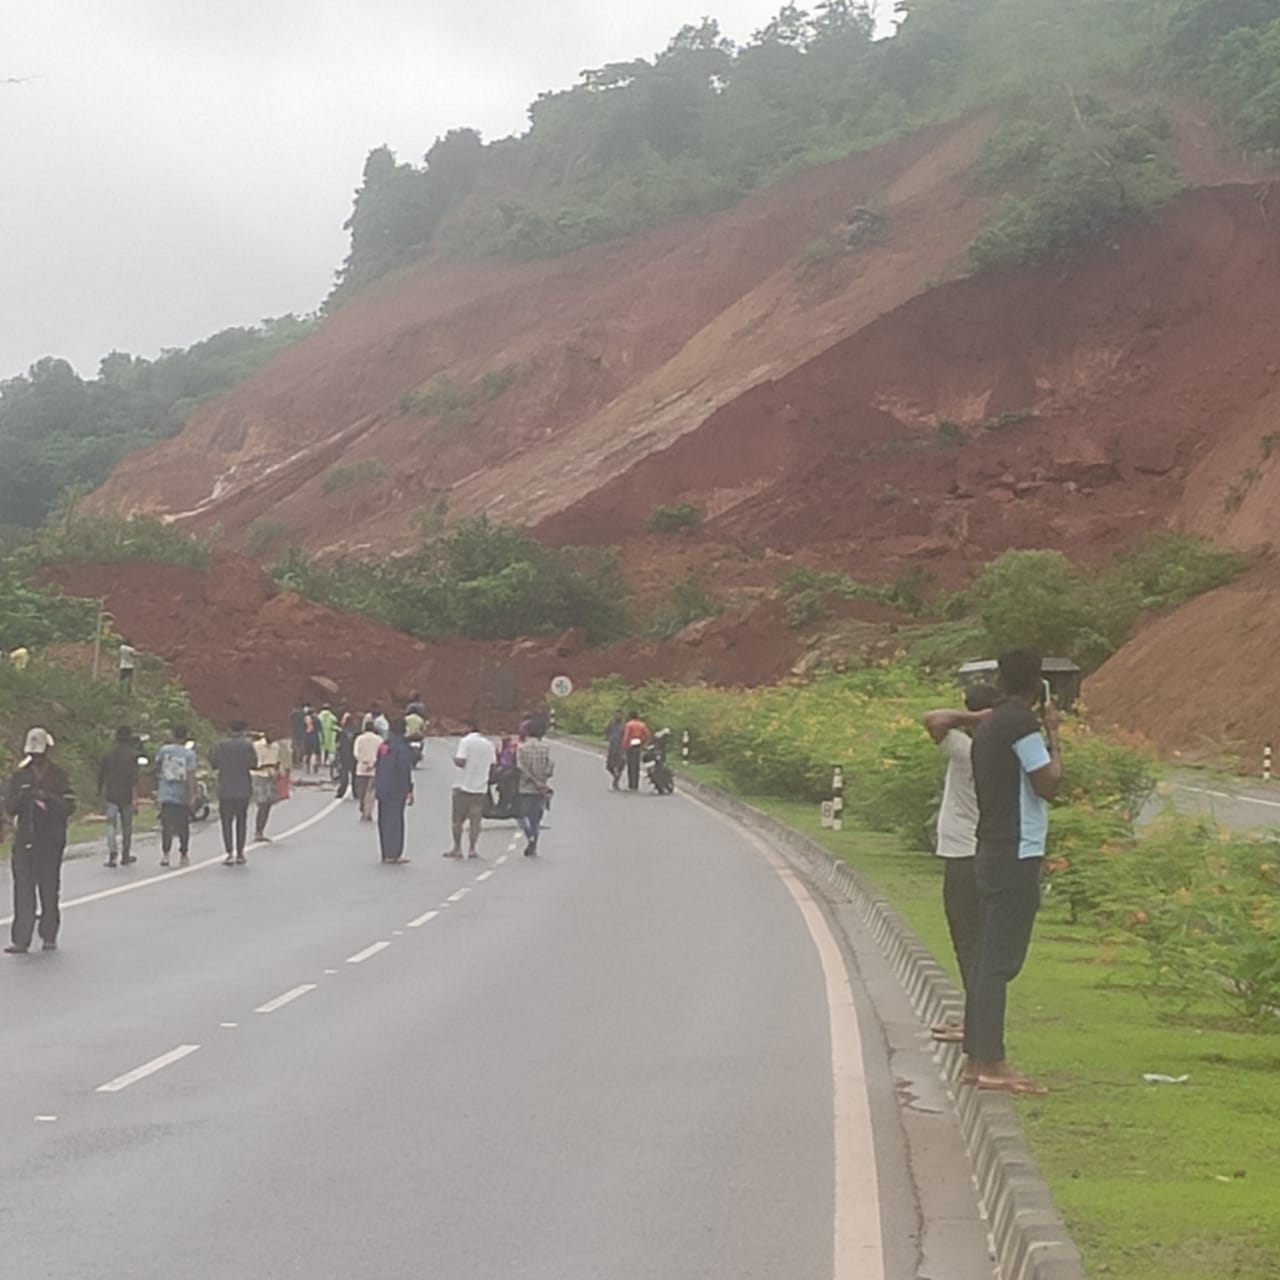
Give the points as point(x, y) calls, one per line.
point(101, 537)
point(454, 406)
point(350, 476)
point(807, 592)
point(688, 601)
point(36, 616)
point(674, 517)
point(60, 431)
point(1168, 568)
point(264, 533)
point(481, 580)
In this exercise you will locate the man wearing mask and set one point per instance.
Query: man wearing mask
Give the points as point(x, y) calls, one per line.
point(40, 801)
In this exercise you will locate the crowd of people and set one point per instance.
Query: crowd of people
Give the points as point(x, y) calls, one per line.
point(1004, 765)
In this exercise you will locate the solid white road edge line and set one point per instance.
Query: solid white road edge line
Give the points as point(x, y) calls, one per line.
point(288, 998)
point(361, 956)
point(425, 918)
point(1227, 795)
point(859, 1247)
point(167, 875)
point(147, 1069)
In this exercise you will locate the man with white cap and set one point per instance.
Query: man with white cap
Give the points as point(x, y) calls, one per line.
point(40, 801)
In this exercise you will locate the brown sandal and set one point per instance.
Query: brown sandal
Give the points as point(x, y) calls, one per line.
point(1012, 1083)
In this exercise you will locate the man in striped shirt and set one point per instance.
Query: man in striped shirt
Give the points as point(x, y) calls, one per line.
point(533, 759)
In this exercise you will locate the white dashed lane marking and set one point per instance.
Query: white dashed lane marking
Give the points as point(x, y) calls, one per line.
point(483, 876)
point(425, 918)
point(458, 897)
point(361, 956)
point(148, 1069)
point(288, 998)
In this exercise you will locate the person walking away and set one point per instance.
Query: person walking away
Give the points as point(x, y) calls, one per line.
point(615, 758)
point(365, 751)
point(533, 759)
point(298, 731)
point(40, 800)
point(118, 786)
point(348, 729)
point(415, 730)
point(128, 660)
point(265, 781)
point(381, 723)
point(310, 741)
point(958, 834)
point(235, 759)
point(635, 734)
point(175, 790)
point(328, 733)
point(393, 782)
point(1016, 772)
point(474, 758)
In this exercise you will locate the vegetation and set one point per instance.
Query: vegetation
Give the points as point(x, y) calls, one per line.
point(687, 602)
point(674, 518)
point(808, 591)
point(101, 537)
point(350, 476)
point(481, 580)
point(61, 432)
point(32, 617)
point(454, 406)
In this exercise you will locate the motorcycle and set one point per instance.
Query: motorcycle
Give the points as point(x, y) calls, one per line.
point(661, 777)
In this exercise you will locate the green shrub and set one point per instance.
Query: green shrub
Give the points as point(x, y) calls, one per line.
point(101, 537)
point(688, 601)
point(674, 518)
point(35, 616)
point(350, 476)
point(264, 533)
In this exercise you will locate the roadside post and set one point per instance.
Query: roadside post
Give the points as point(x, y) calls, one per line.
point(832, 811)
point(1266, 763)
point(100, 625)
point(685, 746)
point(561, 687)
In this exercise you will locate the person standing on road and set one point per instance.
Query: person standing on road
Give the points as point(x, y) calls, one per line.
point(328, 733)
point(265, 782)
point(40, 799)
point(175, 790)
point(415, 729)
point(474, 759)
point(615, 758)
point(958, 833)
point(298, 731)
point(118, 786)
point(128, 660)
point(393, 782)
point(635, 734)
point(1016, 772)
point(533, 759)
point(348, 729)
point(310, 740)
point(365, 751)
point(235, 759)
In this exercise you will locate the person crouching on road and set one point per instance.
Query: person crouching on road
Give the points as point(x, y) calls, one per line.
point(118, 786)
point(533, 759)
point(235, 759)
point(40, 799)
point(265, 782)
point(474, 759)
point(175, 791)
point(1016, 772)
point(393, 782)
point(635, 734)
point(958, 833)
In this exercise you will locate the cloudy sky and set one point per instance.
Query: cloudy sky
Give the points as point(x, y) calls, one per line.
point(173, 167)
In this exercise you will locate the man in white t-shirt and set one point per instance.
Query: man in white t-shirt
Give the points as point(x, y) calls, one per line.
point(473, 759)
point(128, 660)
point(364, 751)
point(958, 833)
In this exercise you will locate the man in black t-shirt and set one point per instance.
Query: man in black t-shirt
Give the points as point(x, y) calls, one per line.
point(1016, 772)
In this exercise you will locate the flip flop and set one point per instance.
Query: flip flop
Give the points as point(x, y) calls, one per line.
point(1012, 1084)
point(948, 1034)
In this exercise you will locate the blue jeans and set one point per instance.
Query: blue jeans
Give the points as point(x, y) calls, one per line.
point(121, 814)
point(530, 810)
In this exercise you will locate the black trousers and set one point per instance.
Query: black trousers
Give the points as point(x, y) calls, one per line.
point(1010, 896)
point(235, 818)
point(633, 768)
point(346, 769)
point(175, 820)
point(963, 908)
point(37, 873)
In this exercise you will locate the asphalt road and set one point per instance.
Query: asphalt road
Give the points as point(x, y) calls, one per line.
point(1235, 803)
point(638, 1055)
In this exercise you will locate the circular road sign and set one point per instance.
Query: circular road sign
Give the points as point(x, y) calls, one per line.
point(561, 686)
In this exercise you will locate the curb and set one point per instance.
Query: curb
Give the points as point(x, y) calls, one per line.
point(1029, 1239)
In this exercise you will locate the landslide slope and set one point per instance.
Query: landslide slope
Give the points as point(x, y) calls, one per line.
point(539, 383)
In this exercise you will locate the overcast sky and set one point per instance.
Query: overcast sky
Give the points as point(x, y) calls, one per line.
point(173, 167)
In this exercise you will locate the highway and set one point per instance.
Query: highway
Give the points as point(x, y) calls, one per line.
point(641, 1054)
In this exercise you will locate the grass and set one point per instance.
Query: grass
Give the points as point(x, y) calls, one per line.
point(1156, 1182)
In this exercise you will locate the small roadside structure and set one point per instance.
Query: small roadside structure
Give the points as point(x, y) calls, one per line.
point(1063, 675)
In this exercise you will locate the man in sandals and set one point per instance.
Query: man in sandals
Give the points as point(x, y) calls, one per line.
point(1017, 770)
point(958, 833)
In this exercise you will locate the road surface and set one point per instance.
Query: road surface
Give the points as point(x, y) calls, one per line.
point(638, 1055)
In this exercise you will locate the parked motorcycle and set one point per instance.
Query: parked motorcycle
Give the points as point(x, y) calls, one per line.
point(661, 777)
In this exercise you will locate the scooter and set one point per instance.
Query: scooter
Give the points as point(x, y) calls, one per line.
point(657, 770)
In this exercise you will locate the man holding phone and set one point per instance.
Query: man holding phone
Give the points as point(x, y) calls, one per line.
point(1017, 770)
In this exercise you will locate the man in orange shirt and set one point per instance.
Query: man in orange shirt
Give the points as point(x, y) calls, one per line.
point(635, 734)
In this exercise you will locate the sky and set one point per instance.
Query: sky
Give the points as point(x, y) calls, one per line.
point(169, 168)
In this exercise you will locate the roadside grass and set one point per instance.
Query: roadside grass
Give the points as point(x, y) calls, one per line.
point(1155, 1181)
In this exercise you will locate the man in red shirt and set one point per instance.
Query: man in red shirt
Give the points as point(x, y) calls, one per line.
point(635, 734)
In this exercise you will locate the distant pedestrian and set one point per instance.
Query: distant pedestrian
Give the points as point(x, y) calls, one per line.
point(1016, 772)
point(298, 732)
point(393, 782)
point(533, 759)
point(40, 799)
point(328, 733)
point(958, 833)
point(175, 791)
point(415, 728)
point(20, 658)
point(365, 752)
point(235, 759)
point(635, 734)
point(615, 761)
point(118, 786)
point(310, 740)
point(381, 723)
point(474, 759)
point(266, 778)
point(128, 660)
point(348, 730)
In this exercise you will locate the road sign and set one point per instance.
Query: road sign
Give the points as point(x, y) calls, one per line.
point(561, 686)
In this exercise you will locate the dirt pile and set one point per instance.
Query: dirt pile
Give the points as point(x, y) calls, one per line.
point(243, 648)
